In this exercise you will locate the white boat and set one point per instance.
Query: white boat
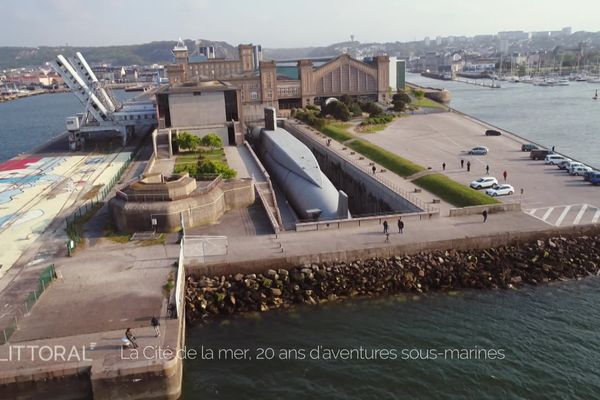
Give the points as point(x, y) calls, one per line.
point(563, 82)
point(595, 79)
point(596, 95)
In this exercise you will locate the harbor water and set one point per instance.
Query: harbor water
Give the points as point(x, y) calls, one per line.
point(548, 336)
point(31, 121)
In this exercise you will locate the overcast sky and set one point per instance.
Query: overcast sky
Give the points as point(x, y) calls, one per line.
point(279, 23)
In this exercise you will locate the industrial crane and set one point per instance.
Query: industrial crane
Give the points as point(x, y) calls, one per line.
point(103, 113)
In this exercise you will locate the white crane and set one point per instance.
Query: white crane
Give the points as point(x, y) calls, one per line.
point(102, 112)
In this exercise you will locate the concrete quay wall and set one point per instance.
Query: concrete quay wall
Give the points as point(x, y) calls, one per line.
point(465, 243)
point(492, 208)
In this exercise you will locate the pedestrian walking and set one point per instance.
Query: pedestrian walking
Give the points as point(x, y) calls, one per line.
point(468, 166)
point(156, 325)
point(484, 213)
point(385, 227)
point(443, 166)
point(400, 225)
point(374, 169)
point(131, 338)
point(462, 163)
point(505, 174)
point(387, 238)
point(522, 191)
point(487, 169)
point(553, 149)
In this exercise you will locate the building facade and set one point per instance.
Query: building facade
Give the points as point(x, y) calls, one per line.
point(258, 84)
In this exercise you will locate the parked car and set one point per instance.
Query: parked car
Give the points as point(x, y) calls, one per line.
point(564, 164)
point(580, 170)
point(484, 182)
point(588, 175)
point(492, 132)
point(574, 164)
point(501, 190)
point(539, 154)
point(553, 159)
point(479, 151)
point(595, 178)
point(529, 147)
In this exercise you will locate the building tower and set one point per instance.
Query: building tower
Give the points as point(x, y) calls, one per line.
point(246, 52)
point(180, 52)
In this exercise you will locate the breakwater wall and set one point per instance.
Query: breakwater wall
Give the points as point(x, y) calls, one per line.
point(545, 259)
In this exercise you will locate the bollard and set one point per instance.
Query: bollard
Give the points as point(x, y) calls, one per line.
point(5, 337)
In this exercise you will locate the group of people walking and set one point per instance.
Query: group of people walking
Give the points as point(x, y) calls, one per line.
point(131, 341)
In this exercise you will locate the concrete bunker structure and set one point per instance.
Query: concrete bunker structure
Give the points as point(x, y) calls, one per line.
point(157, 203)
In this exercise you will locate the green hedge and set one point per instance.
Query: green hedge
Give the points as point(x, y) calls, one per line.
point(389, 160)
point(453, 192)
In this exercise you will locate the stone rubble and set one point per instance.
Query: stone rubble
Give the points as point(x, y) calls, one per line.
point(554, 259)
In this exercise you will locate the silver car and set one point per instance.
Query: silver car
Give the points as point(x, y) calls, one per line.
point(479, 151)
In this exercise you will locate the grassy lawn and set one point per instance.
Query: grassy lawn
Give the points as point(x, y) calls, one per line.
point(371, 128)
point(425, 102)
point(453, 192)
point(389, 160)
point(445, 188)
point(192, 158)
point(337, 131)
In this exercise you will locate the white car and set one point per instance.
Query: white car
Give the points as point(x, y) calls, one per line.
point(501, 190)
point(553, 159)
point(484, 182)
point(479, 151)
point(580, 170)
point(572, 165)
point(564, 164)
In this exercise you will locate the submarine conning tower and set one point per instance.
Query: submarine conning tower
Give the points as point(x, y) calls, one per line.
point(296, 171)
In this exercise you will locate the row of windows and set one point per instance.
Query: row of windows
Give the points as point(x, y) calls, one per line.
point(132, 117)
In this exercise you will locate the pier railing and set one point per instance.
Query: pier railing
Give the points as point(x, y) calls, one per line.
point(45, 278)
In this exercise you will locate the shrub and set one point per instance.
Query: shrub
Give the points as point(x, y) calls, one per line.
point(355, 110)
point(215, 167)
point(312, 108)
point(384, 119)
point(373, 109)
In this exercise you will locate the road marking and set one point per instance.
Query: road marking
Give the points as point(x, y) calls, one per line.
point(596, 216)
point(580, 214)
point(547, 214)
point(563, 215)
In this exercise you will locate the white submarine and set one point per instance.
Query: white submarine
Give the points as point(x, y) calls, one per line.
point(295, 169)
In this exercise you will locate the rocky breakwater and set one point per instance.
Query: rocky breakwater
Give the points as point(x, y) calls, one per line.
point(557, 258)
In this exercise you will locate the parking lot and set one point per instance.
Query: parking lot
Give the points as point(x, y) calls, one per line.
point(433, 139)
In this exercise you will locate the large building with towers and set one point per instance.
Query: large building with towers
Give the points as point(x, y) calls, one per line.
point(257, 83)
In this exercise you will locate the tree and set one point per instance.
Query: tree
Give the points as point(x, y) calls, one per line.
point(337, 110)
point(211, 140)
point(400, 100)
point(186, 140)
point(347, 100)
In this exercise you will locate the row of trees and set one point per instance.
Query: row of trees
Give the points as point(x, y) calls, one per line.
point(186, 140)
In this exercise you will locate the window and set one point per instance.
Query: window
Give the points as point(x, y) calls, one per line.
point(254, 95)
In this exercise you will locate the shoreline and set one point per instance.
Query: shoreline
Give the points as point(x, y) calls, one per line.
point(492, 126)
point(558, 257)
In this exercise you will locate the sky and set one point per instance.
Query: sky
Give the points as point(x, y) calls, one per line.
point(279, 23)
